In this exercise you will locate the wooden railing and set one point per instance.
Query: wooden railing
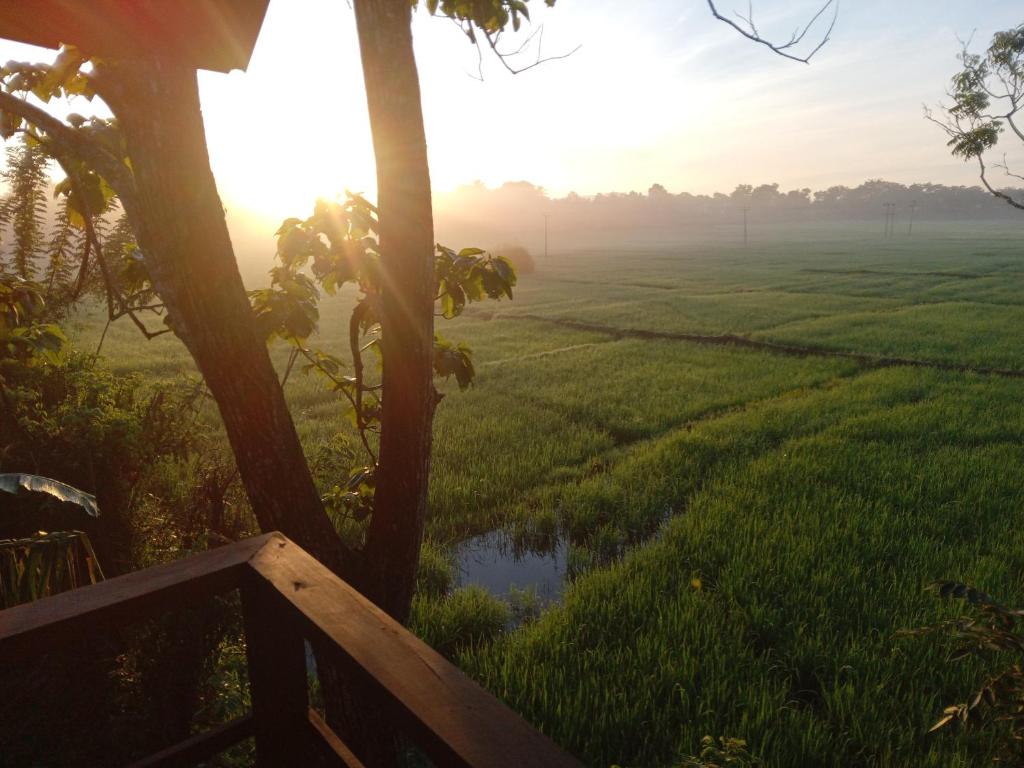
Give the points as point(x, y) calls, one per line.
point(289, 598)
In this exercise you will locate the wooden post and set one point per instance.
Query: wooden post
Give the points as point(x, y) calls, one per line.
point(278, 684)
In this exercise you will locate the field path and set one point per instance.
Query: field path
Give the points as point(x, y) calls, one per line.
point(544, 353)
point(790, 350)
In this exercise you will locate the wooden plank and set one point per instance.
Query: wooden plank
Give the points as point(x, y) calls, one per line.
point(30, 629)
point(200, 747)
point(278, 683)
point(450, 717)
point(332, 750)
point(206, 34)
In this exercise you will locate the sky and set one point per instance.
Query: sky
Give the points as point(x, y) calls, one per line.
point(658, 92)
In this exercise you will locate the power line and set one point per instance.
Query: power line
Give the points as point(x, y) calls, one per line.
point(890, 218)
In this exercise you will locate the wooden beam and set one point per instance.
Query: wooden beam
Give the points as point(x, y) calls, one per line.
point(206, 34)
point(200, 747)
point(333, 751)
point(452, 719)
point(278, 682)
point(30, 629)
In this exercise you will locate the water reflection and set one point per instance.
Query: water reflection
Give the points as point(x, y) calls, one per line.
point(493, 562)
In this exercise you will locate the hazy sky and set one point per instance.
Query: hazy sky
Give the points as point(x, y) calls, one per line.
point(659, 92)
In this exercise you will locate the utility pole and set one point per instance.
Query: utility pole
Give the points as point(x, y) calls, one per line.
point(545, 237)
point(745, 209)
point(910, 226)
point(890, 218)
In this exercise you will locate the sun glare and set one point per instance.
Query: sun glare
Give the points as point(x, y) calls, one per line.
point(280, 134)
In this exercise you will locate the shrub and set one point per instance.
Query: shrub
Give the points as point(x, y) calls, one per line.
point(520, 257)
point(81, 424)
point(162, 491)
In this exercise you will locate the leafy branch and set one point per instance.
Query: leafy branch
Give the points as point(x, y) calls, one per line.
point(338, 245)
point(987, 97)
point(93, 155)
point(989, 632)
point(485, 21)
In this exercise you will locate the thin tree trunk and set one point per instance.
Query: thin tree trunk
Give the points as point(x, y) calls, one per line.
point(179, 220)
point(406, 243)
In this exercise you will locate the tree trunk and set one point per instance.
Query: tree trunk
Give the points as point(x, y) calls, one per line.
point(406, 246)
point(179, 220)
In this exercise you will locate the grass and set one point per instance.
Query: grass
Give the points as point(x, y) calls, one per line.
point(824, 516)
point(983, 335)
point(747, 529)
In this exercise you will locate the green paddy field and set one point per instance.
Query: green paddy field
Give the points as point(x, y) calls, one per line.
point(750, 462)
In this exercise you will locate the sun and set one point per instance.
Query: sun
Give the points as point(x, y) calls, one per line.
point(282, 133)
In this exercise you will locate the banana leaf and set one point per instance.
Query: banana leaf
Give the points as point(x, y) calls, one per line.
point(15, 481)
point(47, 563)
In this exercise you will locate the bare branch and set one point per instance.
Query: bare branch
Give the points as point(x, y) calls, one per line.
point(749, 30)
point(998, 193)
point(504, 56)
point(493, 39)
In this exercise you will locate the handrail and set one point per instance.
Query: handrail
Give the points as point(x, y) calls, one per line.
point(30, 628)
point(287, 598)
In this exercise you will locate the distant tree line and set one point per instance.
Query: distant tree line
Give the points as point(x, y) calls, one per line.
point(476, 204)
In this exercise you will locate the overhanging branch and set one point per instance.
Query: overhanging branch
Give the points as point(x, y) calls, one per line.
point(75, 144)
point(749, 30)
point(998, 193)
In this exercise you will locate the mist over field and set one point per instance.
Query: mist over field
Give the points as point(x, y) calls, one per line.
point(517, 212)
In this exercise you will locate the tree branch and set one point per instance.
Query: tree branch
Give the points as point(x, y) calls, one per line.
point(492, 41)
point(751, 32)
point(74, 143)
point(1001, 195)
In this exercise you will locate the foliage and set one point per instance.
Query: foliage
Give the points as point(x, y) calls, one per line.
point(65, 251)
point(45, 564)
point(165, 492)
point(100, 432)
point(25, 206)
point(723, 753)
point(987, 94)
point(25, 338)
point(13, 482)
point(994, 635)
point(487, 16)
point(79, 259)
point(336, 246)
